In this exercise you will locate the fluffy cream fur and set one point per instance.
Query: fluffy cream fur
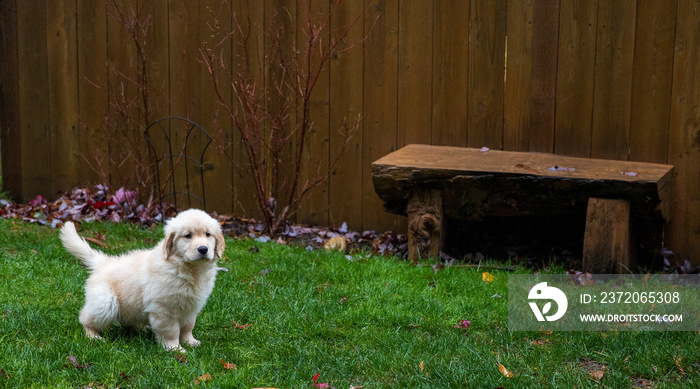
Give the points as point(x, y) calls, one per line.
point(163, 288)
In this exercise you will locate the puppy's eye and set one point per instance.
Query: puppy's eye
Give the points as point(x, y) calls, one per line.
point(208, 234)
point(188, 236)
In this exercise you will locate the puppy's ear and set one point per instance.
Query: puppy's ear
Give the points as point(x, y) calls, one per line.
point(169, 246)
point(220, 245)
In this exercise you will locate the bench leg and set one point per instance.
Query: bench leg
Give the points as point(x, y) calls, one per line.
point(425, 224)
point(607, 244)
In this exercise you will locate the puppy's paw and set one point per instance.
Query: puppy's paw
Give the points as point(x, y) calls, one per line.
point(174, 347)
point(92, 334)
point(191, 342)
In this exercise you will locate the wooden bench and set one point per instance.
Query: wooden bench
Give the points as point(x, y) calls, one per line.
point(431, 183)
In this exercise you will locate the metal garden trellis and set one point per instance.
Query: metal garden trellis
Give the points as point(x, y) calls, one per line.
point(173, 158)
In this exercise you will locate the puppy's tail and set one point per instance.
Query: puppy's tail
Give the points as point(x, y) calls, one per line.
point(80, 248)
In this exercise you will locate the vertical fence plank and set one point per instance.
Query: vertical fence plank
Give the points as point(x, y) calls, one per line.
point(185, 98)
point(10, 125)
point(544, 75)
point(315, 208)
point(159, 57)
point(487, 24)
point(682, 233)
point(519, 62)
point(452, 73)
point(63, 92)
point(282, 20)
point(34, 103)
point(219, 180)
point(248, 19)
point(533, 29)
point(652, 80)
point(415, 72)
point(613, 79)
point(685, 99)
point(379, 104)
point(577, 40)
point(92, 87)
point(121, 90)
point(345, 181)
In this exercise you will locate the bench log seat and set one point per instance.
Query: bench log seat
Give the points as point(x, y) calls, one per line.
point(431, 183)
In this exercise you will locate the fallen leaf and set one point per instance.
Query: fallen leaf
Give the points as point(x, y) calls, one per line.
point(74, 361)
point(525, 167)
point(421, 365)
point(103, 204)
point(504, 371)
point(678, 364)
point(3, 374)
point(181, 358)
point(321, 384)
point(96, 242)
point(228, 365)
point(487, 277)
point(243, 327)
point(264, 271)
point(463, 324)
point(338, 244)
point(125, 196)
point(597, 375)
point(203, 378)
point(39, 200)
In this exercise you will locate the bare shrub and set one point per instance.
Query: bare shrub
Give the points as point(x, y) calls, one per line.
point(125, 159)
point(271, 98)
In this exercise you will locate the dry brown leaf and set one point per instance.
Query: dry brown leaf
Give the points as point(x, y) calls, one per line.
point(504, 371)
point(228, 365)
point(203, 378)
point(74, 362)
point(338, 244)
point(421, 365)
point(597, 375)
point(96, 242)
point(678, 364)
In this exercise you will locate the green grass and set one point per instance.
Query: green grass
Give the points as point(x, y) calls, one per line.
point(370, 323)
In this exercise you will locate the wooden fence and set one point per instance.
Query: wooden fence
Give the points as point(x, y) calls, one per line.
point(603, 79)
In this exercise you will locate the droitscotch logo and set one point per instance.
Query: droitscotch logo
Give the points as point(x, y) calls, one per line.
point(543, 292)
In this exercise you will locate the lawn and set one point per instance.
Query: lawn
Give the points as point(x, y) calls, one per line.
point(283, 315)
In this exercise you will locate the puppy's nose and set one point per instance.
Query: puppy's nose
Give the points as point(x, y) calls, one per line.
point(203, 249)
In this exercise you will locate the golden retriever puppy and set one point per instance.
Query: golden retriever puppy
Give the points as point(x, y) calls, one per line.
point(163, 288)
